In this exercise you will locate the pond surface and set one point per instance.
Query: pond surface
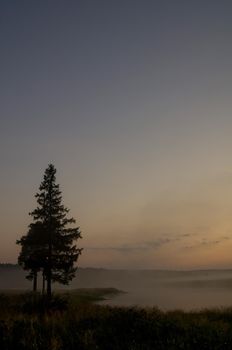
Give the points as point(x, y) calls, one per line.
point(173, 298)
point(194, 291)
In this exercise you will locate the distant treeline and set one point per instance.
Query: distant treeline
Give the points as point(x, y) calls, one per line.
point(9, 266)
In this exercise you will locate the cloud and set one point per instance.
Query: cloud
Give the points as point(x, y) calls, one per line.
point(158, 243)
point(207, 243)
point(144, 245)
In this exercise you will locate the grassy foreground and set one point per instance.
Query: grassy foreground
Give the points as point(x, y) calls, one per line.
point(75, 322)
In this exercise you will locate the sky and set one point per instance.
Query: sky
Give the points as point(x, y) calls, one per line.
point(131, 100)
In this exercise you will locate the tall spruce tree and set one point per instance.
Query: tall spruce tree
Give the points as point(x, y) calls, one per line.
point(50, 244)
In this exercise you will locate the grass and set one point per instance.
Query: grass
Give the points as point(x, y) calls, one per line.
point(76, 322)
point(87, 295)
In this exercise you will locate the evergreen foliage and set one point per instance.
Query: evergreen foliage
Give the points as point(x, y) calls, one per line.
point(49, 246)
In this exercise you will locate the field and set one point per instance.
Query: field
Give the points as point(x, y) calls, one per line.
point(74, 321)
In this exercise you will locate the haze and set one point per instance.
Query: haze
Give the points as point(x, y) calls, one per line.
point(131, 101)
point(186, 290)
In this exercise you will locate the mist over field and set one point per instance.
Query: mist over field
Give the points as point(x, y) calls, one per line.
point(164, 289)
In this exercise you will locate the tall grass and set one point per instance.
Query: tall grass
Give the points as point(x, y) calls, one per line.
point(73, 323)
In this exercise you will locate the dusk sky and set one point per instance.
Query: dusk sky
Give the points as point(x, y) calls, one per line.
point(131, 100)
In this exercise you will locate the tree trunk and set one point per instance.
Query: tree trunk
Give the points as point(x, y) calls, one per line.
point(49, 285)
point(49, 269)
point(43, 285)
point(35, 282)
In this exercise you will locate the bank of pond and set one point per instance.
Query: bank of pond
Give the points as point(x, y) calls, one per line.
point(75, 320)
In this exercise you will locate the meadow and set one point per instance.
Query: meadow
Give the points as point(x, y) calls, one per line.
point(75, 321)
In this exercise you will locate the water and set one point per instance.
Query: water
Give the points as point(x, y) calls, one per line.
point(173, 298)
point(186, 292)
point(166, 290)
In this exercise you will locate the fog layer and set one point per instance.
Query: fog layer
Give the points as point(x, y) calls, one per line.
point(164, 289)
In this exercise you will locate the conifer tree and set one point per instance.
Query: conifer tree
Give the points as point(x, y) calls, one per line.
point(51, 241)
point(33, 255)
point(27, 259)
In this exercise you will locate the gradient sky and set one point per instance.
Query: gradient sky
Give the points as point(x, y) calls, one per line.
point(132, 102)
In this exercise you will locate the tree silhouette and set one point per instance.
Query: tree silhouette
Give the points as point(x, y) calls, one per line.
point(49, 245)
point(33, 252)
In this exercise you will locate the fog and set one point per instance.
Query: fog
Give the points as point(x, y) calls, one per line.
point(164, 289)
point(171, 290)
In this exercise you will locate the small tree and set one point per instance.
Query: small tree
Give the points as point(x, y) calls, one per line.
point(50, 242)
point(33, 255)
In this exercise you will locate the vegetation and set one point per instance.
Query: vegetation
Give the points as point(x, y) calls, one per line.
point(74, 322)
point(49, 245)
